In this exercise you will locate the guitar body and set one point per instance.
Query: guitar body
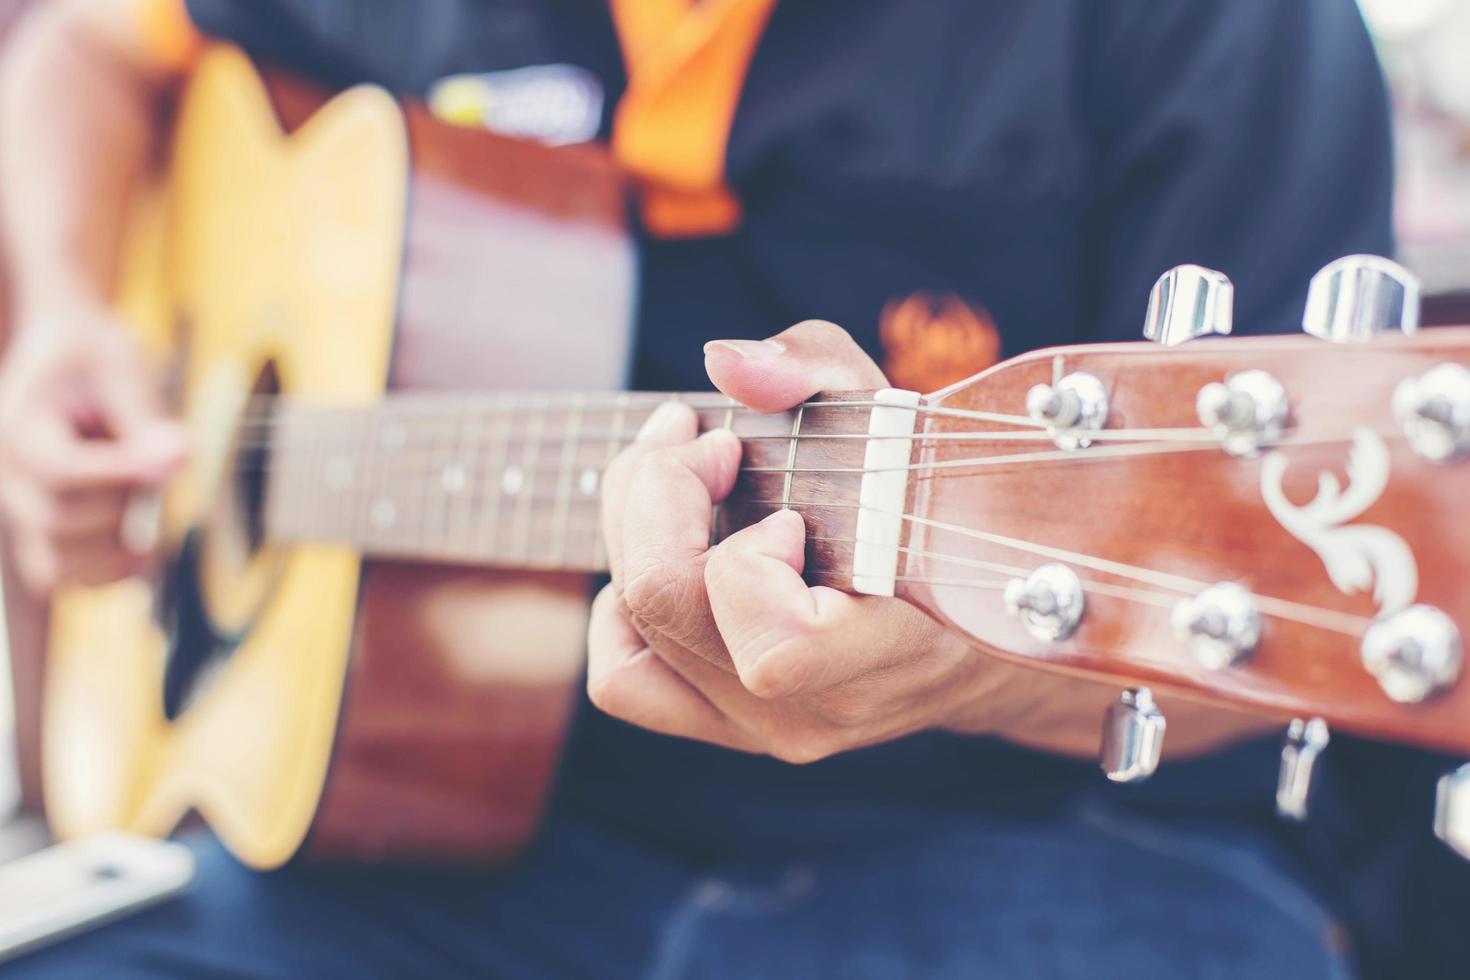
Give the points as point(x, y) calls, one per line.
point(300, 696)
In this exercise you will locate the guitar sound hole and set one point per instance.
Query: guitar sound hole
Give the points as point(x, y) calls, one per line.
point(223, 553)
point(252, 457)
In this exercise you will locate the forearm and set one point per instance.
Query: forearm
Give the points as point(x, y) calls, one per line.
point(1064, 715)
point(78, 107)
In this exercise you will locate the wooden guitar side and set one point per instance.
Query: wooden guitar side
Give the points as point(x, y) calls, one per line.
point(378, 711)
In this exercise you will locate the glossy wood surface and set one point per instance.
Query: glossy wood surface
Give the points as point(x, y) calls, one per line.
point(518, 272)
point(1196, 514)
point(431, 729)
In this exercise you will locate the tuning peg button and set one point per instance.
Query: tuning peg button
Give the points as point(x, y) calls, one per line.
point(1073, 408)
point(1189, 301)
point(1221, 624)
point(1049, 601)
point(1414, 653)
point(1246, 411)
point(1305, 742)
point(1452, 810)
point(1434, 411)
point(1358, 297)
point(1132, 737)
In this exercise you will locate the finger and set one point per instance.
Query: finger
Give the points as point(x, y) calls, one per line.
point(37, 564)
point(669, 424)
point(76, 514)
point(89, 513)
point(146, 459)
point(666, 532)
point(98, 561)
point(626, 679)
point(124, 387)
point(773, 375)
point(788, 640)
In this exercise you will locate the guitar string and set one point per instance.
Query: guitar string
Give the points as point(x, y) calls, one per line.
point(1347, 623)
point(303, 413)
point(1304, 613)
point(972, 462)
point(1165, 580)
point(597, 440)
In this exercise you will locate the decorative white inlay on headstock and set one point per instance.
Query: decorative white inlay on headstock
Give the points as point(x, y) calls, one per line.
point(1356, 556)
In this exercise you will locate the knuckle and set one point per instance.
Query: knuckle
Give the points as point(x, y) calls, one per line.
point(653, 594)
point(772, 676)
point(604, 691)
point(616, 473)
point(844, 710)
point(802, 749)
point(723, 565)
point(37, 567)
point(658, 466)
point(818, 330)
point(45, 518)
point(778, 664)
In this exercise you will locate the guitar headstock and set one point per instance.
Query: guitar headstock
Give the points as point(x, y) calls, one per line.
point(1275, 522)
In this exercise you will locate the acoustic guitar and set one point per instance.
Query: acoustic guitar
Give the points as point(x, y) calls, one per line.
point(367, 631)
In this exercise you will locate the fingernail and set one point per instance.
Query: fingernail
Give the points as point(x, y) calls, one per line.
point(663, 419)
point(746, 348)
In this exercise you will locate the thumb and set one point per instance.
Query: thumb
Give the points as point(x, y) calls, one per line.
point(773, 375)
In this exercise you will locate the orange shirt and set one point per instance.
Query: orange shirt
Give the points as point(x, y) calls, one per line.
point(686, 62)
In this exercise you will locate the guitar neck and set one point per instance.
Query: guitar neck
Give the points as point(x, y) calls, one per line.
point(514, 480)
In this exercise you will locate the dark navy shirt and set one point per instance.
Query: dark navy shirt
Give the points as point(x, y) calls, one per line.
point(1043, 160)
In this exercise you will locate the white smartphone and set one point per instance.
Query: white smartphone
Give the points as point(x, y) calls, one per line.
point(83, 883)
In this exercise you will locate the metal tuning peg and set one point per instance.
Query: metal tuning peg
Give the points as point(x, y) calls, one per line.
point(1072, 408)
point(1132, 737)
point(1246, 411)
point(1305, 742)
point(1049, 601)
point(1189, 301)
point(1452, 810)
point(1434, 411)
point(1414, 653)
point(1221, 624)
point(1358, 297)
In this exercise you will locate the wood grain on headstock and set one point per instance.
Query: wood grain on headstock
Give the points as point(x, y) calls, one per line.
point(1145, 523)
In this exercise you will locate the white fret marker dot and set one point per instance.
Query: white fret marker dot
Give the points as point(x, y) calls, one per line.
point(511, 480)
point(587, 482)
point(392, 435)
point(383, 513)
point(454, 478)
point(339, 473)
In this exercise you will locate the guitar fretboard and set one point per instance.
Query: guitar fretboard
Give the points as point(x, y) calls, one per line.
point(515, 480)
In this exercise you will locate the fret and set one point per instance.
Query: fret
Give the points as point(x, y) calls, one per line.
point(453, 481)
point(727, 423)
point(791, 458)
point(614, 446)
point(389, 514)
point(564, 482)
point(497, 454)
point(459, 522)
point(523, 480)
point(513, 480)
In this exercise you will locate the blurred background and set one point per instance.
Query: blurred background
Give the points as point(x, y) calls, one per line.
point(1422, 44)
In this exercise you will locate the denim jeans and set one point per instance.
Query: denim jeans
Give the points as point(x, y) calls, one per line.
point(1093, 890)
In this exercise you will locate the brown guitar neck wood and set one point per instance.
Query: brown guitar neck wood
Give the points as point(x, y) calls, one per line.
point(514, 480)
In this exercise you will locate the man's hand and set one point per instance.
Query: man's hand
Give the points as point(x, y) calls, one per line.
point(82, 429)
point(728, 644)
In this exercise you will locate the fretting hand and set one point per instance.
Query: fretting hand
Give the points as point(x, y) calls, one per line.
point(728, 644)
